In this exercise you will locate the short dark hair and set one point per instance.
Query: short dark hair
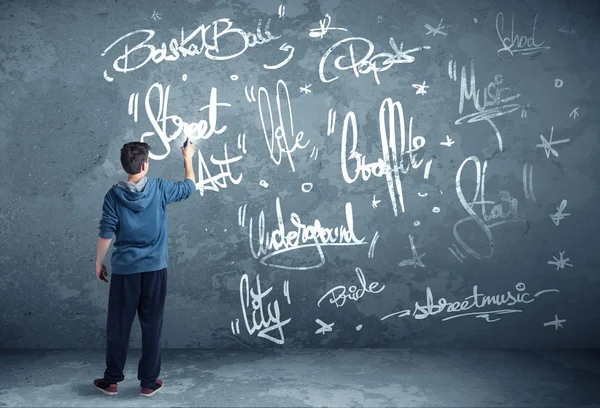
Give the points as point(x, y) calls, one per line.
point(133, 155)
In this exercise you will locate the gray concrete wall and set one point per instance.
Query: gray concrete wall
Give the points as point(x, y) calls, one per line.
point(460, 213)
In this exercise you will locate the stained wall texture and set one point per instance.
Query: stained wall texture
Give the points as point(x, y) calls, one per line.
point(369, 174)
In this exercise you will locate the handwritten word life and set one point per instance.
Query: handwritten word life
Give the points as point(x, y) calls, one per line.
point(259, 323)
point(280, 241)
point(393, 162)
point(516, 43)
point(481, 219)
point(475, 301)
point(210, 40)
point(276, 136)
point(369, 62)
point(338, 295)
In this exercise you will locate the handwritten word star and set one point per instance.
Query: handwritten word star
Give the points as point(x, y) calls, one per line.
point(375, 202)
point(305, 89)
point(574, 113)
point(556, 323)
point(420, 88)
point(449, 142)
point(547, 144)
point(324, 327)
point(560, 263)
point(437, 30)
point(559, 215)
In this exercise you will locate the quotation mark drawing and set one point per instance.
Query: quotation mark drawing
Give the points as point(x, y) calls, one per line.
point(242, 215)
point(324, 327)
point(331, 122)
point(457, 254)
point(235, 329)
point(281, 10)
point(560, 262)
point(547, 144)
point(524, 110)
point(373, 243)
point(286, 291)
point(315, 152)
point(528, 181)
point(556, 323)
point(242, 142)
point(559, 214)
point(133, 105)
point(250, 94)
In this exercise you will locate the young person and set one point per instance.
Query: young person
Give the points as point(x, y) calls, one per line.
point(135, 211)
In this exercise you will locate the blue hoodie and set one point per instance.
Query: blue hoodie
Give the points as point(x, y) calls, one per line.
point(136, 214)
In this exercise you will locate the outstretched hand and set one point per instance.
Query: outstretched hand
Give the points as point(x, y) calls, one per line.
point(101, 273)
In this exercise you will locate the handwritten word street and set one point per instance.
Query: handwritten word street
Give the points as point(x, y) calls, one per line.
point(475, 301)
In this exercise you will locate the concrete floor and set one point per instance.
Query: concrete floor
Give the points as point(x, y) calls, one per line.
point(311, 377)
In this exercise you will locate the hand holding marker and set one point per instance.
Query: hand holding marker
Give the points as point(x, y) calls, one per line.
point(185, 149)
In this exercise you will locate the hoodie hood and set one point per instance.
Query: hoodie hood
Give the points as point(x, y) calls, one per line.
point(136, 196)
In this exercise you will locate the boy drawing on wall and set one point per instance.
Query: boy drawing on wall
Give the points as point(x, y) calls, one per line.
point(135, 211)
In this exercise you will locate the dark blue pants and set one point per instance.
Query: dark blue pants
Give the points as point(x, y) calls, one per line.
point(144, 292)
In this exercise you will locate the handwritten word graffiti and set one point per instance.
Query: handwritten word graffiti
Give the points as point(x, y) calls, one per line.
point(517, 43)
point(277, 137)
point(338, 295)
point(161, 120)
point(494, 104)
point(497, 216)
point(370, 62)
point(209, 40)
point(273, 321)
point(475, 301)
point(392, 163)
point(278, 241)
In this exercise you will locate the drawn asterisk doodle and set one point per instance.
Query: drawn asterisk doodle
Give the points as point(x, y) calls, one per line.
point(156, 16)
point(560, 262)
point(556, 322)
point(306, 89)
point(437, 30)
point(547, 144)
point(420, 88)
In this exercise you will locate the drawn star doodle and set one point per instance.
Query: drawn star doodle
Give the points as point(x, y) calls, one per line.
point(560, 263)
point(556, 323)
point(420, 88)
